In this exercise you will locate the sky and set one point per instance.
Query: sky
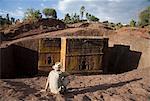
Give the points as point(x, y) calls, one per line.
point(112, 10)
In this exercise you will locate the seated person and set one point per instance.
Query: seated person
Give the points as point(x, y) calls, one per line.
point(56, 80)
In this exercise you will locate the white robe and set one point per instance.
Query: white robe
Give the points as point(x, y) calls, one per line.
point(54, 81)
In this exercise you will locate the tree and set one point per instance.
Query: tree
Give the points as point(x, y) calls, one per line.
point(88, 16)
point(67, 18)
point(132, 23)
point(7, 17)
point(91, 17)
point(17, 21)
point(50, 13)
point(12, 19)
point(4, 22)
point(144, 17)
point(75, 18)
point(82, 10)
point(32, 14)
point(1, 21)
point(119, 25)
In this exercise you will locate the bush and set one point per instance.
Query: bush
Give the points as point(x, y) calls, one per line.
point(32, 14)
point(50, 13)
point(132, 23)
point(93, 18)
point(144, 17)
point(119, 25)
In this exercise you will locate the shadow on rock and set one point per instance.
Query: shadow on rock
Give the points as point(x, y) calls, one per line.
point(95, 88)
point(21, 87)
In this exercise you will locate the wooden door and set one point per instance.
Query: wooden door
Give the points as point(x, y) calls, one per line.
point(84, 54)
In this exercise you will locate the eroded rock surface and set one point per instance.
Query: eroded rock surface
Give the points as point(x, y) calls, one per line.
point(129, 86)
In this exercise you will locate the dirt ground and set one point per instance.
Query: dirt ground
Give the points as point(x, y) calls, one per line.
point(130, 86)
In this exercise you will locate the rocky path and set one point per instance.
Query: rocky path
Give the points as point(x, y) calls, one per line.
point(130, 86)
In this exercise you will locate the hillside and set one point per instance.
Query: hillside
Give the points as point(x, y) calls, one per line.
point(137, 38)
point(129, 86)
point(30, 28)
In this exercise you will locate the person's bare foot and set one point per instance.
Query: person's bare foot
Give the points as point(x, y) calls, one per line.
point(43, 90)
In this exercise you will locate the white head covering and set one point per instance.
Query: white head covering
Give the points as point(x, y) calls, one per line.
point(56, 66)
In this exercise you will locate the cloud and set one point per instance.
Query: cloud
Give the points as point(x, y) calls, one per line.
point(18, 13)
point(42, 4)
point(45, 0)
point(112, 10)
point(15, 13)
point(20, 8)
